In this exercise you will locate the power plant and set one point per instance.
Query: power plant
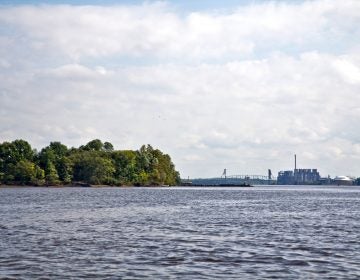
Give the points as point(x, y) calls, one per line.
point(298, 176)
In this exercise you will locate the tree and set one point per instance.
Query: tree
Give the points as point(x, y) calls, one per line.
point(60, 150)
point(53, 159)
point(45, 157)
point(26, 172)
point(108, 147)
point(5, 157)
point(94, 163)
point(51, 175)
point(14, 152)
point(125, 166)
point(145, 159)
point(39, 176)
point(157, 166)
point(165, 170)
point(22, 150)
point(94, 145)
point(142, 179)
point(10, 155)
point(91, 168)
point(64, 169)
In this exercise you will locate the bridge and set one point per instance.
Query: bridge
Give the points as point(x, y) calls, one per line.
point(231, 180)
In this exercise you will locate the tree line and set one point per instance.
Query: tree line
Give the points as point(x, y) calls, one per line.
point(95, 163)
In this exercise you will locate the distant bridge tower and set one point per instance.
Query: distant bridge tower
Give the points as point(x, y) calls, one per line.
point(224, 173)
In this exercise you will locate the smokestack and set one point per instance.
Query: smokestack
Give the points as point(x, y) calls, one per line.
point(295, 162)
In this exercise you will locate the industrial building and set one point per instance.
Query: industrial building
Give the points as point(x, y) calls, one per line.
point(298, 176)
point(343, 180)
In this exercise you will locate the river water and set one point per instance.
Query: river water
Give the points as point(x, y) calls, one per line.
point(301, 232)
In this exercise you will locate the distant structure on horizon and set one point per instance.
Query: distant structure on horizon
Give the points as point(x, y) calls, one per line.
point(343, 180)
point(298, 176)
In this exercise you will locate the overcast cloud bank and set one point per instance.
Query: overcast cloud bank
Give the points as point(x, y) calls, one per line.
point(243, 89)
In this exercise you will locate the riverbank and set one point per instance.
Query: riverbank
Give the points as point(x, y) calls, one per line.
point(81, 186)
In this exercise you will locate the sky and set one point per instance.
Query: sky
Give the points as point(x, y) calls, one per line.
point(241, 85)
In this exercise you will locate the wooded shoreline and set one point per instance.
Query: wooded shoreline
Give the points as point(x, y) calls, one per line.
point(93, 164)
point(76, 186)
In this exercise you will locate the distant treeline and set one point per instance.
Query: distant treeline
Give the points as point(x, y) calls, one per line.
point(94, 163)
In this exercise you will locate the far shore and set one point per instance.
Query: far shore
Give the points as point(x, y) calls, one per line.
point(80, 186)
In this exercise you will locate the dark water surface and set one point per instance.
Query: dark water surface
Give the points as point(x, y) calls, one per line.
point(180, 233)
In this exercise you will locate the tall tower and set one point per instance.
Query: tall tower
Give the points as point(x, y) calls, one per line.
point(295, 172)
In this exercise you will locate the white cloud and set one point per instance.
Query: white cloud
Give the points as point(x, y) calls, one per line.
point(73, 71)
point(347, 70)
point(242, 90)
point(156, 29)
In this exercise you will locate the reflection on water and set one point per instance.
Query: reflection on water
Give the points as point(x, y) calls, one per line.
point(191, 233)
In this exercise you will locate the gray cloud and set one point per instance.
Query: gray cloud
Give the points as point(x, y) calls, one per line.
point(93, 31)
point(242, 90)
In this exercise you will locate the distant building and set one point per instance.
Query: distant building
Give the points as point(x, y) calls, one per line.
point(285, 178)
point(298, 176)
point(343, 180)
point(306, 176)
point(326, 181)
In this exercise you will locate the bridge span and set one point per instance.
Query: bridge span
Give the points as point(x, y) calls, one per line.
point(231, 180)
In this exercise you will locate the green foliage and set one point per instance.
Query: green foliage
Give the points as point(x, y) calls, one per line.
point(94, 145)
point(59, 149)
point(51, 175)
point(91, 168)
point(53, 159)
point(124, 163)
point(26, 172)
point(22, 150)
point(12, 153)
point(94, 163)
point(16, 162)
point(39, 176)
point(108, 147)
point(142, 178)
point(157, 165)
point(64, 169)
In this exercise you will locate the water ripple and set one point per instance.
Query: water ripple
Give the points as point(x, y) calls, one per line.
point(112, 233)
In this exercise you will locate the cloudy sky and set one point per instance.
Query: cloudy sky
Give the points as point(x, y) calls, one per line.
point(241, 85)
